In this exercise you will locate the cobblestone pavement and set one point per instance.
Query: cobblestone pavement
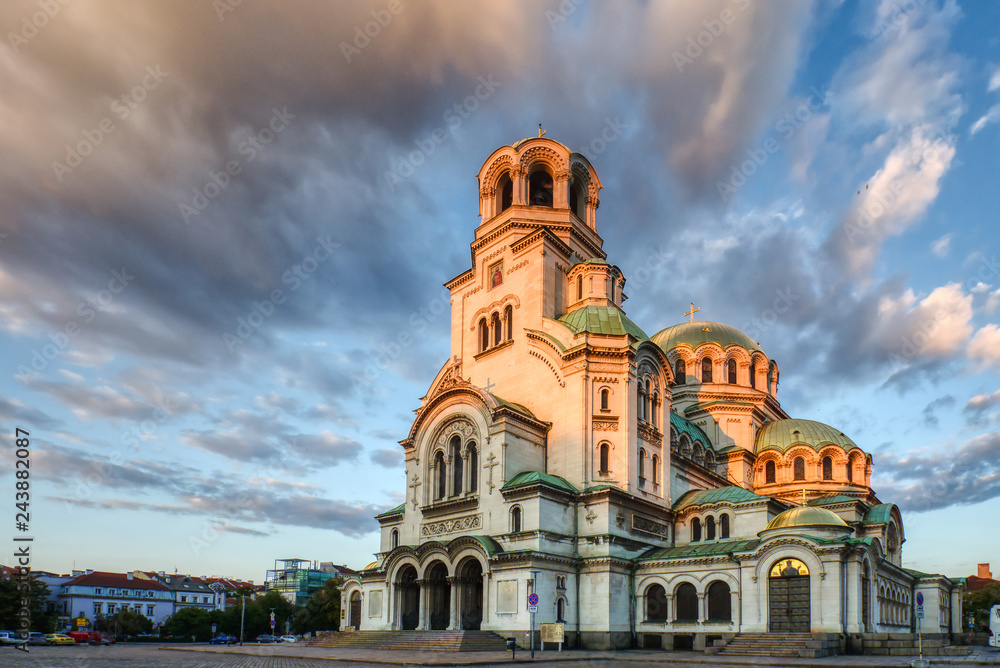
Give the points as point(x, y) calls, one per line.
point(300, 656)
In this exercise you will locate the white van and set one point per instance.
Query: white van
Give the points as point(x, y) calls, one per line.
point(995, 626)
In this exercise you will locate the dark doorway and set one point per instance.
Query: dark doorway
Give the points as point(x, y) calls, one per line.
point(470, 582)
point(356, 610)
point(438, 596)
point(789, 598)
point(409, 598)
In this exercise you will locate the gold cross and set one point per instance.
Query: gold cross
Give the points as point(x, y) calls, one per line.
point(692, 311)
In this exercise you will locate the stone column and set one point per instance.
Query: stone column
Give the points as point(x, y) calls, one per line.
point(702, 609)
point(453, 624)
point(421, 605)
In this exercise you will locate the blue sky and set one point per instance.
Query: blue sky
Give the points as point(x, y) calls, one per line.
point(226, 227)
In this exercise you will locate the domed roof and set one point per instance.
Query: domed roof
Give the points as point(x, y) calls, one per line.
point(806, 516)
point(693, 334)
point(781, 435)
point(602, 320)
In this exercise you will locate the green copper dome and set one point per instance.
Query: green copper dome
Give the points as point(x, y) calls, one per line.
point(602, 320)
point(806, 516)
point(781, 435)
point(693, 334)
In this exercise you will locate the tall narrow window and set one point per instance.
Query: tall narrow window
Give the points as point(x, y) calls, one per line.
point(686, 602)
point(642, 401)
point(642, 464)
point(605, 399)
point(473, 468)
point(654, 406)
point(505, 191)
point(769, 473)
point(753, 375)
point(561, 610)
point(442, 476)
point(724, 526)
point(484, 335)
point(515, 519)
point(799, 468)
point(579, 287)
point(719, 602)
point(709, 528)
point(656, 469)
point(695, 530)
point(649, 398)
point(680, 373)
point(827, 468)
point(706, 370)
point(540, 188)
point(456, 465)
point(731, 371)
point(850, 472)
point(394, 539)
point(497, 332)
point(508, 316)
point(605, 457)
point(656, 604)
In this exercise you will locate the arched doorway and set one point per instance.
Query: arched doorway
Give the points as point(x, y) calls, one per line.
point(470, 593)
point(408, 592)
point(788, 588)
point(355, 619)
point(438, 596)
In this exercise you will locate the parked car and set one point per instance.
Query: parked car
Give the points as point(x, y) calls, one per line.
point(287, 639)
point(36, 638)
point(9, 638)
point(58, 639)
point(106, 639)
point(223, 640)
point(86, 637)
point(266, 638)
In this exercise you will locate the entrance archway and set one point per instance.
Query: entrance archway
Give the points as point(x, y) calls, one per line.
point(788, 589)
point(355, 620)
point(408, 593)
point(470, 594)
point(438, 596)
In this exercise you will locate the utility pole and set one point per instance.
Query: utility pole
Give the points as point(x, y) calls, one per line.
point(243, 612)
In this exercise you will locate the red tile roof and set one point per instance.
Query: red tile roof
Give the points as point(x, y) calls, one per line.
point(119, 580)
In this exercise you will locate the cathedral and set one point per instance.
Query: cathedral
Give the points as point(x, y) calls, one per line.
point(649, 489)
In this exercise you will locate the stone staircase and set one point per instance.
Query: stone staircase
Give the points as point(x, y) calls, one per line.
point(793, 645)
point(428, 641)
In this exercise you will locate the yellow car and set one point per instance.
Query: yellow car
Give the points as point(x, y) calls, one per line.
point(58, 639)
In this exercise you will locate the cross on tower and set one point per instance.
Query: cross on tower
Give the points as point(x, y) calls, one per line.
point(491, 462)
point(416, 483)
point(489, 385)
point(692, 311)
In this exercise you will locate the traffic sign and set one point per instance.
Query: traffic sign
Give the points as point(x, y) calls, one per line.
point(532, 609)
point(532, 599)
point(920, 598)
point(920, 612)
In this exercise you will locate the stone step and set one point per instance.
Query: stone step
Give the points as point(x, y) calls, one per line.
point(440, 641)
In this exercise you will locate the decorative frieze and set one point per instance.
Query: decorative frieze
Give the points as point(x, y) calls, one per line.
point(649, 526)
point(450, 526)
point(605, 424)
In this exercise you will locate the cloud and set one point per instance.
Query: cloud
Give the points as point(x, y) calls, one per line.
point(930, 419)
point(390, 459)
point(979, 405)
point(941, 247)
point(985, 346)
point(16, 412)
point(991, 116)
point(943, 477)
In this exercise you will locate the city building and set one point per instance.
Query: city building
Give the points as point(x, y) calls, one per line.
point(189, 591)
point(650, 490)
point(91, 594)
point(299, 579)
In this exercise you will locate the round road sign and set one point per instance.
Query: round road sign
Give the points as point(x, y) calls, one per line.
point(533, 599)
point(920, 598)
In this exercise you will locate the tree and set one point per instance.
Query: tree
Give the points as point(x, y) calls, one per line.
point(978, 603)
point(188, 622)
point(283, 611)
point(124, 622)
point(14, 592)
point(322, 611)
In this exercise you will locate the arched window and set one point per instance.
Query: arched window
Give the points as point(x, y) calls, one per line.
point(505, 192)
point(642, 465)
point(605, 458)
point(719, 602)
point(642, 401)
point(473, 467)
point(649, 400)
point(753, 374)
point(772, 377)
point(540, 188)
point(709, 528)
point(394, 539)
point(850, 472)
point(605, 399)
point(654, 405)
point(680, 373)
point(656, 469)
point(561, 610)
point(484, 335)
point(578, 200)
point(769, 474)
point(827, 468)
point(731, 371)
point(497, 332)
point(508, 316)
point(799, 469)
point(456, 464)
point(724, 526)
point(656, 604)
point(442, 476)
point(686, 600)
point(515, 519)
point(579, 287)
point(706, 370)
point(695, 530)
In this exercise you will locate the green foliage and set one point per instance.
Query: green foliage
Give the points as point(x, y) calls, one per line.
point(978, 603)
point(188, 622)
point(322, 611)
point(124, 622)
point(11, 599)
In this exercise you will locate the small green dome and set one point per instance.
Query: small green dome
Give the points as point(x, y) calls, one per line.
point(602, 320)
point(693, 334)
point(781, 435)
point(806, 516)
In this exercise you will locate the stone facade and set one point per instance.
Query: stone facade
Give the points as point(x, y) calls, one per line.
point(648, 489)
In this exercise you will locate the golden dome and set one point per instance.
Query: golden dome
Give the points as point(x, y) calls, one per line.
point(806, 516)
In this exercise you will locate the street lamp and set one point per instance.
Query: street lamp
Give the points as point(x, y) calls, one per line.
point(243, 611)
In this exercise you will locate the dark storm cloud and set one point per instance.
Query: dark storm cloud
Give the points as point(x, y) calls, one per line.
point(948, 476)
